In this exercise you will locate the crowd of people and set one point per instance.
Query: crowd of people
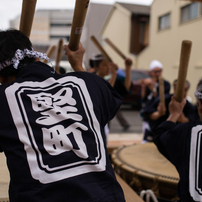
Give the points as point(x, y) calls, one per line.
point(171, 125)
point(54, 126)
point(175, 128)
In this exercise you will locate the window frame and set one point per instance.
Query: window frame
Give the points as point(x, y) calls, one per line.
point(189, 18)
point(159, 22)
point(60, 24)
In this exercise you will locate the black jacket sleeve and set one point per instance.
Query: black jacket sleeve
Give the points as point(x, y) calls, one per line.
point(169, 140)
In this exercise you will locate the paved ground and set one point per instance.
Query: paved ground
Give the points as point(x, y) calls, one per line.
point(132, 116)
point(118, 137)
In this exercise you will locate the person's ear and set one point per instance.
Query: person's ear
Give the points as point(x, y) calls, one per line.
point(3, 80)
point(199, 103)
point(200, 108)
point(8, 79)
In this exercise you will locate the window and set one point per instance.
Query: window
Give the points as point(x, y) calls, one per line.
point(139, 33)
point(59, 37)
point(60, 24)
point(164, 22)
point(201, 8)
point(189, 12)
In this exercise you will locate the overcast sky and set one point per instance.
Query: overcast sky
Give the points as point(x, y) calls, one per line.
point(9, 9)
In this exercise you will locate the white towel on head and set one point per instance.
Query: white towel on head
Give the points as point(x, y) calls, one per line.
point(154, 64)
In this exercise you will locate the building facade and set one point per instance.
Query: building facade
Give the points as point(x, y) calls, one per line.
point(172, 22)
point(49, 26)
point(95, 18)
point(127, 26)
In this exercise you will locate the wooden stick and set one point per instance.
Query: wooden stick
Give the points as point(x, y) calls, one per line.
point(80, 11)
point(115, 48)
point(182, 73)
point(27, 16)
point(161, 91)
point(49, 52)
point(59, 55)
point(101, 49)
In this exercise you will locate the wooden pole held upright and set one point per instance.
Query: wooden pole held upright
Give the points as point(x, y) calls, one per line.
point(115, 48)
point(100, 48)
point(182, 73)
point(59, 55)
point(161, 90)
point(80, 11)
point(27, 16)
point(49, 52)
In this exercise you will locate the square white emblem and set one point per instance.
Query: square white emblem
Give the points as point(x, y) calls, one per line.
point(56, 123)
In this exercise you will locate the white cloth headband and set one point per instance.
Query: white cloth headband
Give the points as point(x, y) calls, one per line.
point(198, 95)
point(154, 64)
point(97, 58)
point(20, 55)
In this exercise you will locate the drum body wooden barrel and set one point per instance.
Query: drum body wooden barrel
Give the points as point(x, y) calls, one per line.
point(143, 167)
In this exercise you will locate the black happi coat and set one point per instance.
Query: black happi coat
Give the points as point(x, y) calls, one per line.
point(189, 111)
point(181, 145)
point(52, 135)
point(149, 97)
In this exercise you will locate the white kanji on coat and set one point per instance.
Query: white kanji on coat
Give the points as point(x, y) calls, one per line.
point(55, 108)
point(56, 140)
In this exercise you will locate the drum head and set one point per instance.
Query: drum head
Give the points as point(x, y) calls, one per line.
point(146, 158)
point(143, 167)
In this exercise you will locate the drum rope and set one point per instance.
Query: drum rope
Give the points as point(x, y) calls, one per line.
point(149, 194)
point(136, 181)
point(155, 187)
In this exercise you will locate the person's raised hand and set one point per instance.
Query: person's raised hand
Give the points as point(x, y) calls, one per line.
point(75, 58)
point(175, 109)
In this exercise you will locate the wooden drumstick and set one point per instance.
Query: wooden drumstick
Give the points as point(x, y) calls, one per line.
point(101, 49)
point(161, 91)
point(115, 48)
point(27, 16)
point(59, 55)
point(182, 73)
point(80, 11)
point(49, 52)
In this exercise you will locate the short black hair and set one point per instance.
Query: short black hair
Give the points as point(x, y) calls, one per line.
point(95, 62)
point(199, 86)
point(186, 82)
point(10, 41)
point(62, 70)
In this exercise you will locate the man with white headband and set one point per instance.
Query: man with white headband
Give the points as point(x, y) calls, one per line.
point(157, 112)
point(150, 87)
point(52, 127)
point(181, 144)
point(149, 92)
